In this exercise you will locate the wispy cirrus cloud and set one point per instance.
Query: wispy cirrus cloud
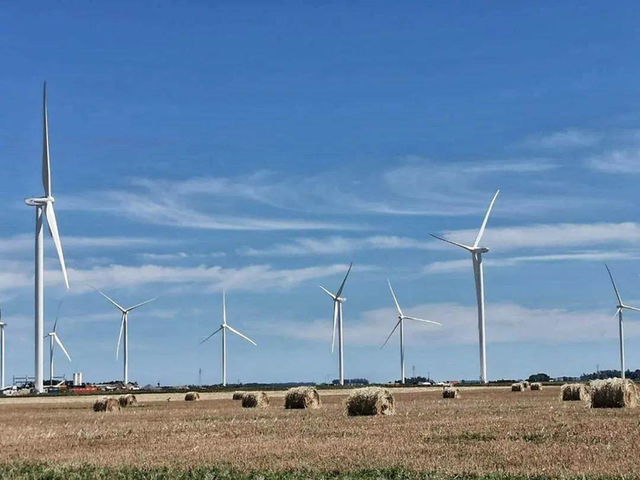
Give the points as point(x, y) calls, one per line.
point(449, 266)
point(337, 244)
point(23, 242)
point(552, 235)
point(548, 236)
point(509, 322)
point(620, 161)
point(565, 139)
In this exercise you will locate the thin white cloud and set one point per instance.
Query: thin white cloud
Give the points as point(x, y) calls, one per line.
point(506, 322)
point(461, 265)
point(617, 161)
point(211, 278)
point(337, 244)
point(565, 139)
point(23, 242)
point(552, 235)
point(175, 212)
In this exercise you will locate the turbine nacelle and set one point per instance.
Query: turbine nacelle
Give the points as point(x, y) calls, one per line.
point(39, 201)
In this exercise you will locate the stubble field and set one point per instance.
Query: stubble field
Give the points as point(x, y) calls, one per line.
point(489, 431)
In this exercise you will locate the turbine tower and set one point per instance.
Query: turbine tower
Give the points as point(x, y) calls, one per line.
point(338, 300)
point(401, 318)
point(124, 327)
point(476, 257)
point(223, 328)
point(44, 207)
point(621, 306)
point(53, 339)
point(2, 325)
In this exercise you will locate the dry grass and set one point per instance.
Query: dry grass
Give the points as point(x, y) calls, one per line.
point(489, 430)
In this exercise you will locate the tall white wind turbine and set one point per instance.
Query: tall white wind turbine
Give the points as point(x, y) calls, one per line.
point(338, 300)
point(476, 257)
point(401, 318)
point(223, 328)
point(619, 308)
point(124, 328)
point(44, 206)
point(53, 339)
point(2, 325)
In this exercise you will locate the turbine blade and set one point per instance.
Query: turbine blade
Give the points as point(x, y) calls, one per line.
point(57, 316)
point(614, 284)
point(243, 336)
point(141, 304)
point(387, 340)
point(210, 336)
point(53, 230)
point(224, 307)
point(344, 281)
point(628, 307)
point(484, 222)
point(466, 247)
point(618, 310)
point(110, 299)
point(55, 337)
point(394, 297)
point(335, 325)
point(46, 163)
point(328, 292)
point(120, 335)
point(421, 320)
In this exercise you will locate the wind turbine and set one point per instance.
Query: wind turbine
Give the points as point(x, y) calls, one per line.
point(476, 257)
point(223, 328)
point(53, 339)
point(337, 322)
point(44, 206)
point(124, 327)
point(2, 325)
point(401, 318)
point(621, 306)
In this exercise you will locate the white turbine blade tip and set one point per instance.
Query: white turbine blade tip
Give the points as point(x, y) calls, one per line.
point(53, 229)
point(486, 219)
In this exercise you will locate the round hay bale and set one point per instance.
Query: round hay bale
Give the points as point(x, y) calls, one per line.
point(526, 384)
point(237, 395)
point(371, 401)
point(517, 387)
point(450, 392)
point(192, 397)
point(574, 392)
point(106, 404)
point(536, 386)
point(128, 400)
point(255, 400)
point(302, 397)
point(613, 393)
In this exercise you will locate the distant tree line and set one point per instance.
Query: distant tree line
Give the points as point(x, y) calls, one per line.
point(602, 374)
point(352, 381)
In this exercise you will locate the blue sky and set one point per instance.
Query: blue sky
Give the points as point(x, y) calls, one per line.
point(261, 148)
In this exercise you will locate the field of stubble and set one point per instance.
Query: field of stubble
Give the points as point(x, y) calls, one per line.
point(486, 432)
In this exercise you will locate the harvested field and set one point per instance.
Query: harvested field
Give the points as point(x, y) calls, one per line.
point(486, 431)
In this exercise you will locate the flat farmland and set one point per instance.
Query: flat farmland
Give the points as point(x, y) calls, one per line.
point(487, 431)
